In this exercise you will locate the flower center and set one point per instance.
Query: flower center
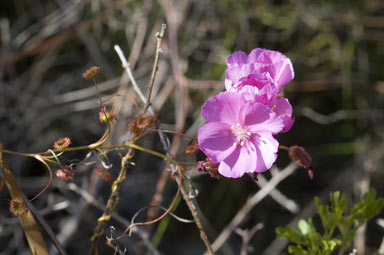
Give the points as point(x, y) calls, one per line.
point(242, 134)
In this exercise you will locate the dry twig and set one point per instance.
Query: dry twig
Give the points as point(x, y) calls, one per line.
point(160, 37)
point(246, 235)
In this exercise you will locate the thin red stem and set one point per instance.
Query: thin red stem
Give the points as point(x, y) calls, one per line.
point(39, 158)
point(157, 219)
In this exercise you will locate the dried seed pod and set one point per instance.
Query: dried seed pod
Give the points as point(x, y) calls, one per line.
point(62, 144)
point(191, 149)
point(141, 123)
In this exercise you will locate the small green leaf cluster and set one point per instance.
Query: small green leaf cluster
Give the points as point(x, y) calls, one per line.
point(339, 225)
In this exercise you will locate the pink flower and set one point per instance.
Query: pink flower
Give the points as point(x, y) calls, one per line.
point(273, 65)
point(262, 73)
point(239, 134)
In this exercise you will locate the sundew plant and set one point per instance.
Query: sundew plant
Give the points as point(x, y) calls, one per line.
point(191, 135)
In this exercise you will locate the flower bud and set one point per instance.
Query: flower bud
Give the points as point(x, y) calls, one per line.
point(302, 158)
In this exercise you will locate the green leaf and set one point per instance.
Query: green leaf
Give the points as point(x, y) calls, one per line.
point(297, 250)
point(291, 235)
point(309, 241)
point(338, 204)
point(331, 245)
point(304, 227)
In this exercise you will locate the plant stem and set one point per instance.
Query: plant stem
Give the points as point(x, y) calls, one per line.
point(192, 208)
point(160, 37)
point(28, 222)
point(131, 145)
point(113, 200)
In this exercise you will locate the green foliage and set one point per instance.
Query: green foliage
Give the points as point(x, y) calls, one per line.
point(339, 225)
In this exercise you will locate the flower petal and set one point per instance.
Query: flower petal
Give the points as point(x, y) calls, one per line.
point(253, 113)
point(259, 117)
point(237, 72)
point(258, 56)
point(277, 64)
point(266, 150)
point(216, 140)
point(265, 56)
point(249, 90)
point(241, 161)
point(283, 109)
point(237, 58)
point(229, 85)
point(223, 108)
point(282, 72)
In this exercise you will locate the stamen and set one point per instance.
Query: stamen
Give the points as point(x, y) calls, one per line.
point(242, 135)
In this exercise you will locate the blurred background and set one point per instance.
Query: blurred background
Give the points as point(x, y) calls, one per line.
point(337, 50)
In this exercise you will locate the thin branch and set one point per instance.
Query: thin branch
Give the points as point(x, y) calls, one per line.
point(160, 37)
point(279, 197)
point(341, 115)
point(192, 208)
point(246, 235)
